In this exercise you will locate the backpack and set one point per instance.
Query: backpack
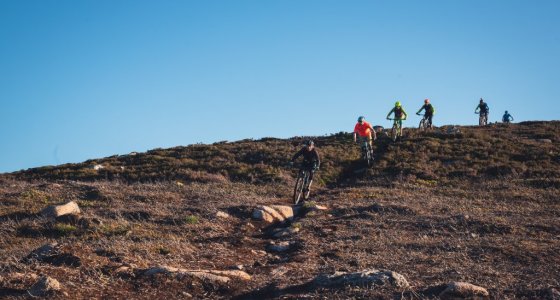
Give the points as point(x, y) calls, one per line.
point(430, 109)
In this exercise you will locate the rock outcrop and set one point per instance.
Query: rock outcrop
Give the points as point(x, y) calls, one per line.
point(367, 277)
point(214, 275)
point(274, 213)
point(44, 286)
point(55, 211)
point(456, 290)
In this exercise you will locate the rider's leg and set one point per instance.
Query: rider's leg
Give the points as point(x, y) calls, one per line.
point(430, 121)
point(370, 140)
point(400, 127)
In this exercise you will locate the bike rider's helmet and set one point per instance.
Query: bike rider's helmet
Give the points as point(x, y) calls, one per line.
point(398, 104)
point(361, 119)
point(426, 101)
point(506, 112)
point(481, 101)
point(309, 143)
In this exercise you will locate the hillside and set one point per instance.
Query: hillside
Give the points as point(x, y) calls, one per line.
point(470, 204)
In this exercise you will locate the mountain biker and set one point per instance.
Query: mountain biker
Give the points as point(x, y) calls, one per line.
point(311, 160)
point(429, 111)
point(400, 115)
point(483, 109)
point(364, 130)
point(507, 117)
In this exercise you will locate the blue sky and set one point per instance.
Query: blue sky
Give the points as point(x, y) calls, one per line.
point(87, 79)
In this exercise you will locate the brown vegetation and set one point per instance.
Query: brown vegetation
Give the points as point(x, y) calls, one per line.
point(480, 206)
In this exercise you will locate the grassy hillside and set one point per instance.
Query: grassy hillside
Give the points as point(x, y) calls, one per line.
point(480, 205)
point(526, 150)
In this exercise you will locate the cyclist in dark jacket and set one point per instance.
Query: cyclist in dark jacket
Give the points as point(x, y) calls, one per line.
point(429, 111)
point(311, 160)
point(483, 108)
point(507, 117)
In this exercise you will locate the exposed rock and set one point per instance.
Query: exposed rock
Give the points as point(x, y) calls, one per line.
point(280, 247)
point(221, 214)
point(55, 211)
point(44, 251)
point(274, 213)
point(284, 232)
point(367, 277)
point(456, 290)
point(546, 141)
point(98, 167)
point(315, 207)
point(44, 286)
point(258, 252)
point(453, 130)
point(214, 275)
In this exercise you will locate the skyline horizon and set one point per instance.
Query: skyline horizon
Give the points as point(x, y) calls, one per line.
point(86, 79)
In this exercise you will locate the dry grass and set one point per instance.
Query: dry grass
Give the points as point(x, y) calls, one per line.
point(501, 232)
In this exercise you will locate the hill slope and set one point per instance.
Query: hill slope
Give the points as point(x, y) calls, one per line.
point(479, 206)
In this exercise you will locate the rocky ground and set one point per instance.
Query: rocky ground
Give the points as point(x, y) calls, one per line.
point(397, 231)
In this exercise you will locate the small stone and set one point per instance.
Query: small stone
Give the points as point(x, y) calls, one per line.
point(279, 247)
point(258, 252)
point(44, 286)
point(284, 232)
point(221, 214)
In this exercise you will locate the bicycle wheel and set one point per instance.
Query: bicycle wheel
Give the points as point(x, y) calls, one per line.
point(298, 189)
point(422, 126)
point(394, 132)
point(307, 188)
point(368, 155)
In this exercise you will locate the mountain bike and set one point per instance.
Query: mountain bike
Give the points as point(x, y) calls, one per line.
point(396, 131)
point(367, 152)
point(303, 185)
point(424, 123)
point(483, 118)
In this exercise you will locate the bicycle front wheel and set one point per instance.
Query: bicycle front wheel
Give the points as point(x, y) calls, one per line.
point(394, 132)
point(298, 189)
point(422, 126)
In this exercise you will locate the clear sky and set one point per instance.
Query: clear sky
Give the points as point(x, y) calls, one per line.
point(92, 78)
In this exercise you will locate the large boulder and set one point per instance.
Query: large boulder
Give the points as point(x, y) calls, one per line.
point(460, 290)
point(367, 277)
point(274, 213)
point(55, 211)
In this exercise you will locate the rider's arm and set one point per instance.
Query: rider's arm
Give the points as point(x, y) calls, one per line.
point(389, 114)
point(421, 108)
point(404, 112)
point(354, 136)
point(317, 157)
point(374, 135)
point(298, 154)
point(476, 109)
